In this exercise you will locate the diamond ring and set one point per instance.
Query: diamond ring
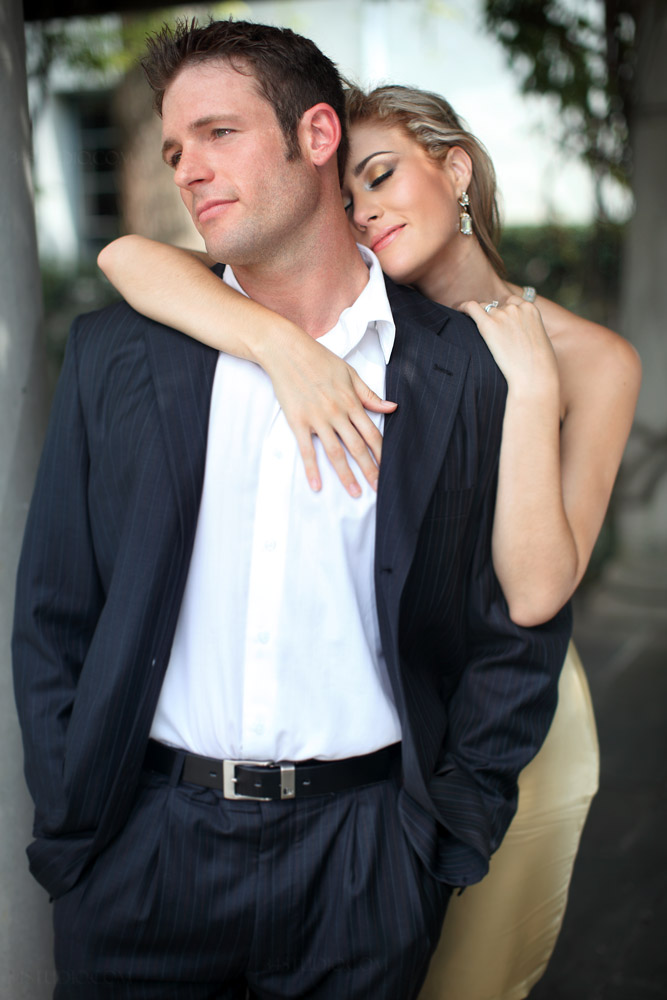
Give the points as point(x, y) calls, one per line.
point(491, 305)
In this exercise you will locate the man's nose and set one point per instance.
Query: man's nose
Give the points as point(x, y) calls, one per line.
point(191, 169)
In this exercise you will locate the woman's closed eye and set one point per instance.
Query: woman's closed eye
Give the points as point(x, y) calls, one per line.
point(374, 180)
point(375, 176)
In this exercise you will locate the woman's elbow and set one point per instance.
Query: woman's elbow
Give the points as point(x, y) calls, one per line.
point(110, 258)
point(106, 257)
point(536, 594)
point(536, 609)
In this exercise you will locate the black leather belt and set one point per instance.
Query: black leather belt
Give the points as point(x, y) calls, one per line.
point(266, 781)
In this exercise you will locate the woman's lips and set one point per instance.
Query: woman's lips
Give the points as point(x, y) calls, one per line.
point(386, 237)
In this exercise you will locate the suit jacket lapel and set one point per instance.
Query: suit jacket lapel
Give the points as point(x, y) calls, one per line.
point(183, 372)
point(425, 377)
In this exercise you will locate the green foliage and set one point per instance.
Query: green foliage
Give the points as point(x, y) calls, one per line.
point(68, 292)
point(576, 266)
point(582, 55)
point(97, 50)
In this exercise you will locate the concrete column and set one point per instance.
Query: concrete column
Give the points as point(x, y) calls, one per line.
point(25, 935)
point(643, 488)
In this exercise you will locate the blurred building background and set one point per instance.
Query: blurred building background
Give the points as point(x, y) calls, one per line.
point(570, 98)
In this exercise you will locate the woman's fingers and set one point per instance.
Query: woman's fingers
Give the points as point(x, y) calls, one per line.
point(326, 398)
point(306, 447)
point(515, 335)
point(369, 399)
point(364, 444)
point(342, 441)
point(337, 456)
point(365, 439)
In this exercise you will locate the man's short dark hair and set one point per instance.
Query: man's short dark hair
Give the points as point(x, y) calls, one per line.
point(290, 70)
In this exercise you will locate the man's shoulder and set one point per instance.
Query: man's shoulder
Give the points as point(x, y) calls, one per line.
point(416, 313)
point(409, 305)
point(119, 328)
point(118, 316)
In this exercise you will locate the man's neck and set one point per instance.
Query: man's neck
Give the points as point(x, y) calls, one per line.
point(312, 287)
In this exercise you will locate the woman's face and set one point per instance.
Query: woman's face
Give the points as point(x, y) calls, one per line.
point(400, 202)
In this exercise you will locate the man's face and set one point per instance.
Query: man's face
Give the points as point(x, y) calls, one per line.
point(224, 143)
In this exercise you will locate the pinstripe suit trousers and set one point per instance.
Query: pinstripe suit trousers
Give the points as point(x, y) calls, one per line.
point(199, 897)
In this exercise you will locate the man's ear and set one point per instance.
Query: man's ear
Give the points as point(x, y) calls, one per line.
point(320, 133)
point(459, 164)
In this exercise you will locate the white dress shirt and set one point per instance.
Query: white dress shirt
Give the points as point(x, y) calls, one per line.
point(277, 650)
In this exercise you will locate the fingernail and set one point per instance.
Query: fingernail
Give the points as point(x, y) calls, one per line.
point(355, 490)
point(315, 485)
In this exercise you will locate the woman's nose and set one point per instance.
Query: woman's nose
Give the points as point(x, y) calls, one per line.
point(365, 212)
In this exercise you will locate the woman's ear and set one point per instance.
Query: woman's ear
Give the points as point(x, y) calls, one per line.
point(320, 133)
point(459, 164)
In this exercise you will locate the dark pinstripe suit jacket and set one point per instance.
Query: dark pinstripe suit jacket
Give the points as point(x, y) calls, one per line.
point(106, 554)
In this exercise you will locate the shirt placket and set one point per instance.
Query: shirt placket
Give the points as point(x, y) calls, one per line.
point(265, 593)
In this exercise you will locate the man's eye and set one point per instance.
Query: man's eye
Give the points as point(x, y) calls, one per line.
point(219, 132)
point(174, 160)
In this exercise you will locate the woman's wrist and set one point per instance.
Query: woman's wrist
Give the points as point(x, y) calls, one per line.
point(267, 344)
point(539, 390)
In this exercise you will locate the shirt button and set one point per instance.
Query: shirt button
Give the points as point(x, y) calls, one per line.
point(270, 545)
point(263, 637)
point(259, 728)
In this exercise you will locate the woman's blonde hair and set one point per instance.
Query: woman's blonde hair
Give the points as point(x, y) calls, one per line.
point(431, 121)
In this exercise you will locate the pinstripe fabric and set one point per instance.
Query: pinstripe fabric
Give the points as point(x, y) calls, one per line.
point(321, 898)
point(476, 693)
point(105, 559)
point(102, 572)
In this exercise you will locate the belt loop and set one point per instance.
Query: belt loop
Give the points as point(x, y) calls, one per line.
point(177, 768)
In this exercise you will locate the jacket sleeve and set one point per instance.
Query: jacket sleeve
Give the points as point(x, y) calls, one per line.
point(500, 712)
point(58, 599)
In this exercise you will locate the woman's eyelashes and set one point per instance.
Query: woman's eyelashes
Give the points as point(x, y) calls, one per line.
point(374, 178)
point(377, 177)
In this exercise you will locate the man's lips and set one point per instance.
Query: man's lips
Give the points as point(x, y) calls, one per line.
point(386, 237)
point(212, 207)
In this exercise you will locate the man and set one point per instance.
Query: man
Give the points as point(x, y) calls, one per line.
point(186, 604)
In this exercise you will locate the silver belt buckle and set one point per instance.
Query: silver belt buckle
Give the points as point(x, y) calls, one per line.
point(287, 779)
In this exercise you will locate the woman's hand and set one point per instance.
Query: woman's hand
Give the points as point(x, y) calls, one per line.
point(323, 395)
point(515, 335)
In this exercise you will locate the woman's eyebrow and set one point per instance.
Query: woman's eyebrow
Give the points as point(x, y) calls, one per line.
point(360, 166)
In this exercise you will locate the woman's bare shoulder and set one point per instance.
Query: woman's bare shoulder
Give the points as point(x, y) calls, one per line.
point(582, 342)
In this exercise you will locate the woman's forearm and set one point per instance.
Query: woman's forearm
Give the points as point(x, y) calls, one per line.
point(177, 288)
point(320, 394)
point(555, 476)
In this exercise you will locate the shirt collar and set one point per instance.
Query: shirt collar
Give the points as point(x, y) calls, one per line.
point(370, 306)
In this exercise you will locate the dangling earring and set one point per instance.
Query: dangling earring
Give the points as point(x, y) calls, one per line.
point(465, 222)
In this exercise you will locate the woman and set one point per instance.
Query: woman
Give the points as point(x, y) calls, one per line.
point(420, 191)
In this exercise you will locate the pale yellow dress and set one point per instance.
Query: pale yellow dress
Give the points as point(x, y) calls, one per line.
point(499, 935)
